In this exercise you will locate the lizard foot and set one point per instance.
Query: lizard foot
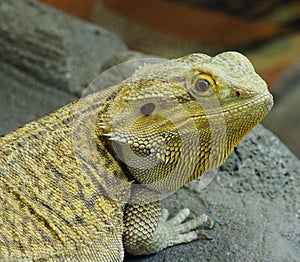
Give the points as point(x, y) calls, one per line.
point(179, 232)
point(148, 229)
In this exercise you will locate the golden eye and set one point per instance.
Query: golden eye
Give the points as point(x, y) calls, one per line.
point(202, 85)
point(199, 85)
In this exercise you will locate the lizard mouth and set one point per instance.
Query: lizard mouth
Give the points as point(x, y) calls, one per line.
point(262, 103)
point(260, 106)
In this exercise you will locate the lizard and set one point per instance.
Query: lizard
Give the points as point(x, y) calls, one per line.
point(85, 182)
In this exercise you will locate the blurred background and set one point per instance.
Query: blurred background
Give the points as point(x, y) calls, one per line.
point(267, 31)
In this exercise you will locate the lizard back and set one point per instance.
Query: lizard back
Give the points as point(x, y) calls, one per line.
point(50, 209)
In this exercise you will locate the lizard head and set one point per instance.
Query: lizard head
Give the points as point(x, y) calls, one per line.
point(173, 121)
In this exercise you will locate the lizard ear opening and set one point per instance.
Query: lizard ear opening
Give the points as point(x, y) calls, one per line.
point(147, 109)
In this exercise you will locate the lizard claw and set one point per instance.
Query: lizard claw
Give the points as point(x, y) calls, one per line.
point(211, 222)
point(179, 232)
point(203, 234)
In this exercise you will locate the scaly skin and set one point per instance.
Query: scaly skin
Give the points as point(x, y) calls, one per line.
point(79, 183)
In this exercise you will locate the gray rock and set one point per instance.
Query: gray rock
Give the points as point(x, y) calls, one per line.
point(23, 99)
point(52, 47)
point(255, 200)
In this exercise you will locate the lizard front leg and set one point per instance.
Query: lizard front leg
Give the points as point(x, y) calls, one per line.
point(147, 230)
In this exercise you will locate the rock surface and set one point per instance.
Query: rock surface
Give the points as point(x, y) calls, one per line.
point(52, 47)
point(255, 196)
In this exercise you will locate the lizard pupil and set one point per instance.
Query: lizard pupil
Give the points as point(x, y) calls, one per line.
point(202, 85)
point(147, 109)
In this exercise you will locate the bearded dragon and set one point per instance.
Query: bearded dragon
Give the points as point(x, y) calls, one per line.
point(85, 182)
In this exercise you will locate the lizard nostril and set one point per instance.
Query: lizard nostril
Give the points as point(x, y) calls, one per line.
point(237, 93)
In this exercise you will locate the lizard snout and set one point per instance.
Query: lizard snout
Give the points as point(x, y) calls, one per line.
point(269, 101)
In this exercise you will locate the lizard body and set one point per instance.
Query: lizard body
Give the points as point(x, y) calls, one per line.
point(85, 180)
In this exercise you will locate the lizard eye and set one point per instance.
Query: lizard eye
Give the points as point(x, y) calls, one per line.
point(147, 109)
point(202, 85)
point(199, 85)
